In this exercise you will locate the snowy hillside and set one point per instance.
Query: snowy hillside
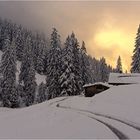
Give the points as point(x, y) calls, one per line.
point(110, 114)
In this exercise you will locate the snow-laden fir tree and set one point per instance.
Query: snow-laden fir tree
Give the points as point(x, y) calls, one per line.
point(54, 65)
point(39, 45)
point(110, 69)
point(67, 75)
point(42, 95)
point(103, 70)
point(76, 64)
point(85, 66)
point(27, 73)
point(8, 69)
point(5, 29)
point(20, 42)
point(119, 65)
point(135, 65)
point(1, 33)
point(95, 69)
point(92, 67)
point(36, 46)
point(70, 79)
point(40, 61)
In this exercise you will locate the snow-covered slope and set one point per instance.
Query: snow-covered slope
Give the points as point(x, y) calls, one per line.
point(47, 121)
point(110, 114)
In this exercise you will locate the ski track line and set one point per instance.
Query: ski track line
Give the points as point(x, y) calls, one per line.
point(115, 131)
point(58, 101)
point(118, 133)
point(129, 123)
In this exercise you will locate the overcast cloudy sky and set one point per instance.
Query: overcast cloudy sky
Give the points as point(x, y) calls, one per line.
point(108, 28)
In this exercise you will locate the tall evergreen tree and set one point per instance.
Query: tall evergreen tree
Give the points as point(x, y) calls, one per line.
point(70, 80)
point(20, 42)
point(54, 66)
point(40, 62)
point(67, 75)
point(4, 33)
point(85, 66)
point(93, 69)
point(36, 47)
point(103, 70)
point(119, 65)
point(27, 73)
point(76, 63)
point(8, 70)
point(135, 65)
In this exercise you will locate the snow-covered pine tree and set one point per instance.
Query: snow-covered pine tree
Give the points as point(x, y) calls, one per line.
point(76, 63)
point(40, 62)
point(119, 65)
point(13, 32)
point(70, 79)
point(85, 66)
point(103, 71)
point(42, 95)
point(4, 33)
point(1, 89)
point(95, 69)
point(54, 65)
point(20, 42)
point(1, 33)
point(91, 68)
point(35, 45)
point(27, 73)
point(8, 69)
point(135, 65)
point(110, 69)
point(65, 79)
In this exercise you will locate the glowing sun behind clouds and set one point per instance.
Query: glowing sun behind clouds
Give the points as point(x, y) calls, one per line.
point(111, 43)
point(107, 27)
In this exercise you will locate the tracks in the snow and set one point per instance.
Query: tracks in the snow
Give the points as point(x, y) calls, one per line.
point(94, 115)
point(117, 132)
point(58, 101)
point(126, 122)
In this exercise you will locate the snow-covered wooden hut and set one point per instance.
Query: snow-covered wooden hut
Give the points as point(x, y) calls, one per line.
point(123, 78)
point(92, 89)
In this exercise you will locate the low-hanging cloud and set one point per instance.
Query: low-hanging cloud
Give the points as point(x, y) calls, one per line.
point(94, 22)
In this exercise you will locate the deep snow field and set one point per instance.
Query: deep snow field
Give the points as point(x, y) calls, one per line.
point(113, 114)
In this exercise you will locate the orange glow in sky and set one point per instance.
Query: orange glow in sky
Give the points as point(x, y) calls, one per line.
point(108, 27)
point(116, 42)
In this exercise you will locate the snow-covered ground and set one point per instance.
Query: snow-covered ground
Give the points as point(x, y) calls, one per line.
point(111, 114)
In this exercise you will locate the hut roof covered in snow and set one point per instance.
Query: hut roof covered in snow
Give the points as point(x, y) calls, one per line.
point(98, 83)
point(122, 79)
point(92, 89)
